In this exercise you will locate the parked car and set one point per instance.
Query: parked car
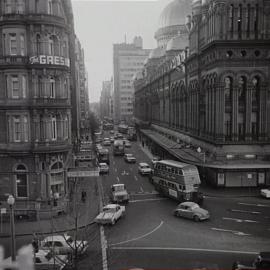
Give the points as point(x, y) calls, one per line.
point(107, 142)
point(191, 210)
point(103, 168)
point(119, 193)
point(127, 143)
point(110, 214)
point(112, 139)
point(111, 131)
point(262, 261)
point(63, 244)
point(144, 168)
point(265, 193)
point(129, 158)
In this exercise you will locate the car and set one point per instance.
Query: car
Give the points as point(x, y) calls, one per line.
point(265, 193)
point(127, 143)
point(191, 210)
point(110, 214)
point(112, 139)
point(103, 168)
point(107, 142)
point(144, 169)
point(262, 261)
point(119, 193)
point(129, 158)
point(63, 244)
point(111, 131)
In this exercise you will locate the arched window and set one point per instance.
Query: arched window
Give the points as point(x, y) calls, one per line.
point(38, 44)
point(239, 21)
point(231, 18)
point(228, 90)
point(54, 48)
point(54, 128)
point(52, 88)
point(21, 181)
point(51, 46)
point(50, 7)
point(242, 90)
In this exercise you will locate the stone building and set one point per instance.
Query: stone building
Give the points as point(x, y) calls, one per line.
point(209, 102)
point(106, 109)
point(35, 103)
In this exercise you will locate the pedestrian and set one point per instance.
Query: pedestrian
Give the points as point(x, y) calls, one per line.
point(83, 196)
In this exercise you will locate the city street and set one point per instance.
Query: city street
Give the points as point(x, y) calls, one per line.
point(152, 238)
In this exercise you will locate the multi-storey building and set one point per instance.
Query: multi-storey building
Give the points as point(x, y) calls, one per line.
point(106, 99)
point(128, 59)
point(35, 104)
point(210, 104)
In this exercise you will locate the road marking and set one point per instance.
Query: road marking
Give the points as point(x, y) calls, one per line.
point(145, 193)
point(244, 211)
point(117, 178)
point(115, 169)
point(140, 237)
point(124, 173)
point(231, 231)
point(136, 178)
point(189, 249)
point(255, 204)
point(141, 189)
point(148, 200)
point(241, 220)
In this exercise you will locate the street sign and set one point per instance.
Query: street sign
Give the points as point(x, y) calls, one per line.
point(83, 173)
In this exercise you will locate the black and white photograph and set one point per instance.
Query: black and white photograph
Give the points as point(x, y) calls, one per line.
point(135, 134)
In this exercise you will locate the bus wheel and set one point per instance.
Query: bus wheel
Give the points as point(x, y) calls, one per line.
point(196, 218)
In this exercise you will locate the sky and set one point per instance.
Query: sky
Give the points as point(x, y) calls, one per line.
point(99, 24)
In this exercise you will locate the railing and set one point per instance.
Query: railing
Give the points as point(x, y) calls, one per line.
point(51, 101)
point(14, 59)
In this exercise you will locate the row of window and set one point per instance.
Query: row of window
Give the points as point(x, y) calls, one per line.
point(53, 7)
point(14, 43)
point(160, 168)
point(50, 129)
point(171, 185)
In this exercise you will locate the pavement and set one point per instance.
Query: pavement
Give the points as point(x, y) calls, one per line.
point(85, 211)
point(210, 191)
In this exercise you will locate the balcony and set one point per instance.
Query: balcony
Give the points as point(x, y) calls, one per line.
point(51, 102)
point(14, 60)
point(51, 146)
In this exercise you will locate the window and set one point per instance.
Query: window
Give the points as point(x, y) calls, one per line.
point(8, 7)
point(231, 18)
point(239, 21)
point(51, 46)
point(15, 90)
point(21, 182)
point(23, 86)
point(54, 129)
point(22, 40)
point(12, 44)
point(25, 128)
point(50, 7)
point(52, 88)
point(17, 128)
point(38, 44)
point(20, 6)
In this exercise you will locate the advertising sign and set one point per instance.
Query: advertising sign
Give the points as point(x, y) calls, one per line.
point(49, 60)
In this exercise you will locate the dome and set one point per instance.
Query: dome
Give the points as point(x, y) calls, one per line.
point(177, 43)
point(156, 53)
point(175, 13)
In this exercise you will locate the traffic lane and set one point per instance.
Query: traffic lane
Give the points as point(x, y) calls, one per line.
point(151, 223)
point(169, 259)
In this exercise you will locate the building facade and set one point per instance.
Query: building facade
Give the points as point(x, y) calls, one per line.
point(128, 59)
point(106, 100)
point(35, 103)
point(210, 103)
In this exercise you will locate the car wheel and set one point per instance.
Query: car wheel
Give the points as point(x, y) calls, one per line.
point(196, 218)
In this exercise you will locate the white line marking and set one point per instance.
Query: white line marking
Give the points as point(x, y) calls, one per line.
point(255, 204)
point(148, 200)
point(244, 211)
point(115, 169)
point(145, 193)
point(140, 237)
point(141, 188)
point(231, 231)
point(117, 178)
point(136, 178)
point(188, 249)
point(241, 220)
point(104, 247)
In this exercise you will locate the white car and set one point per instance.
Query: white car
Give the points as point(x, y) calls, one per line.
point(265, 193)
point(129, 158)
point(144, 168)
point(110, 214)
point(63, 244)
point(103, 168)
point(119, 193)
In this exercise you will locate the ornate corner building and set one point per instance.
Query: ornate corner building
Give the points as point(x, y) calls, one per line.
point(204, 98)
point(35, 103)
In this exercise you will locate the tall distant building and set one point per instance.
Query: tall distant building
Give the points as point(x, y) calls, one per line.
point(128, 59)
point(106, 109)
point(35, 114)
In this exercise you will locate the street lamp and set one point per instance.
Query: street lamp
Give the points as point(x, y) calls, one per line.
point(199, 150)
point(11, 202)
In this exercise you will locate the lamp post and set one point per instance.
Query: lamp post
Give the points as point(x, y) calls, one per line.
point(199, 150)
point(11, 202)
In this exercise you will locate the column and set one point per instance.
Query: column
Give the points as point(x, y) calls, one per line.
point(263, 111)
point(248, 131)
point(235, 114)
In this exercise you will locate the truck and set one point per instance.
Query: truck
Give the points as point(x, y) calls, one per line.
point(118, 148)
point(119, 193)
point(103, 155)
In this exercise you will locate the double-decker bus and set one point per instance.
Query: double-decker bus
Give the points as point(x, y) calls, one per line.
point(123, 128)
point(177, 180)
point(118, 148)
point(103, 155)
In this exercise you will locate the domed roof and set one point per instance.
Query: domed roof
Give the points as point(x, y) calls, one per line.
point(177, 43)
point(156, 53)
point(175, 13)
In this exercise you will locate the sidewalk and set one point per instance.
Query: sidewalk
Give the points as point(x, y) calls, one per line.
point(86, 212)
point(209, 191)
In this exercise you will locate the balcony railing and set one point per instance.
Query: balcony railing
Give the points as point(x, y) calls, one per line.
point(51, 102)
point(14, 60)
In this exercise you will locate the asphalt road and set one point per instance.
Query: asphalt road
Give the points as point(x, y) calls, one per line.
point(152, 238)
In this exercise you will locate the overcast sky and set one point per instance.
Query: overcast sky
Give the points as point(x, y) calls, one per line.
point(99, 24)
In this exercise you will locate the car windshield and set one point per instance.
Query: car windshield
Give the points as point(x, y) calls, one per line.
point(119, 188)
point(129, 155)
point(108, 210)
point(145, 166)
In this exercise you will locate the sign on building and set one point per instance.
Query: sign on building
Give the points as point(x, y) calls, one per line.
point(49, 60)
